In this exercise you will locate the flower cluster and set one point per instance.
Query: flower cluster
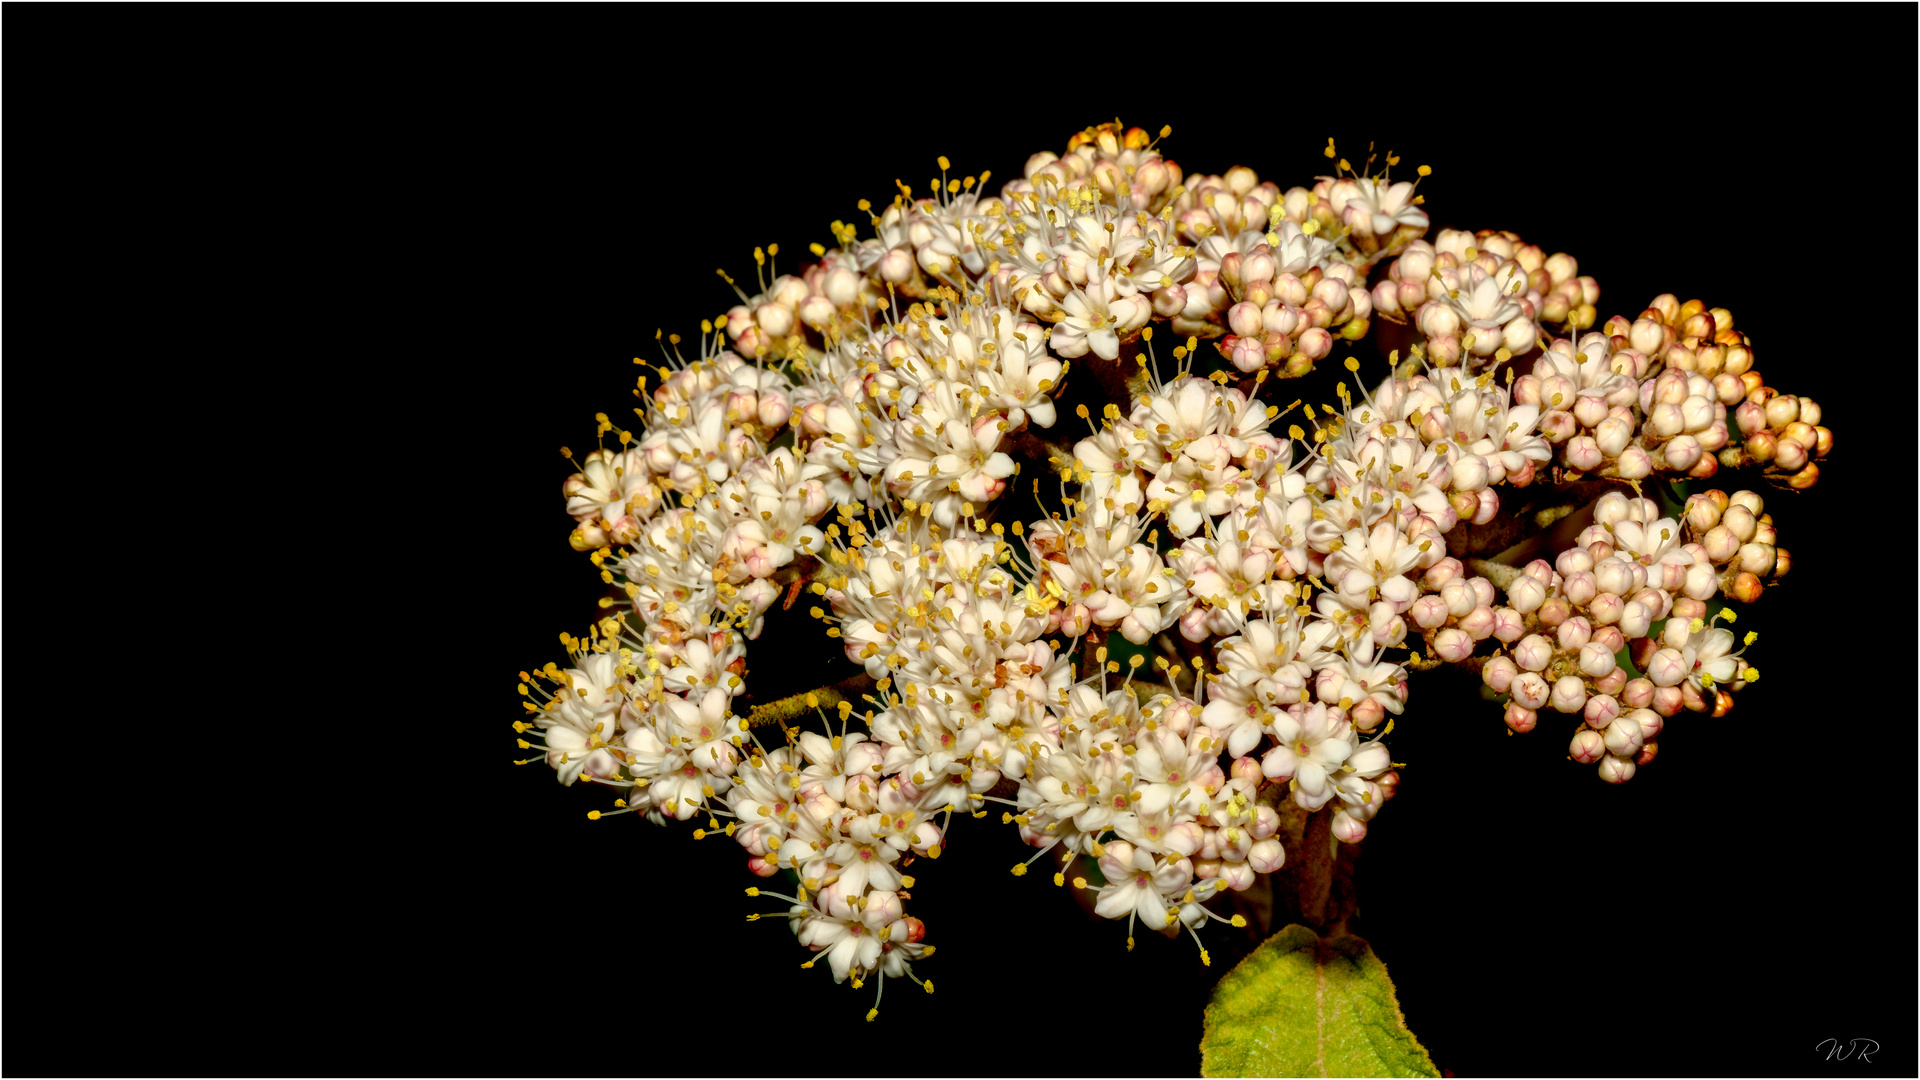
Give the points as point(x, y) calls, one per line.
point(1217, 626)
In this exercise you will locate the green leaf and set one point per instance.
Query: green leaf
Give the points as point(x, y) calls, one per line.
point(1304, 1005)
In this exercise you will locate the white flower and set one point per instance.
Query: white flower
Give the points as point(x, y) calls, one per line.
point(615, 489)
point(1313, 742)
point(1138, 884)
point(1367, 206)
point(1364, 565)
point(1020, 380)
point(1096, 316)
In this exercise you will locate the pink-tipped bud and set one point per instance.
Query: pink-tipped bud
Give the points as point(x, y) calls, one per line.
point(1458, 596)
point(1554, 612)
point(1616, 770)
point(1530, 690)
point(1596, 660)
point(1634, 463)
point(1600, 711)
point(1483, 591)
point(1579, 588)
point(1573, 633)
point(1452, 644)
point(1573, 560)
point(1635, 619)
point(1583, 454)
point(1623, 737)
point(1682, 452)
point(1588, 746)
point(1526, 594)
point(1478, 623)
point(1266, 856)
point(1569, 694)
point(1428, 612)
point(1509, 625)
point(1520, 718)
point(1499, 674)
point(1533, 653)
point(1606, 608)
point(1667, 700)
point(1637, 694)
point(1244, 320)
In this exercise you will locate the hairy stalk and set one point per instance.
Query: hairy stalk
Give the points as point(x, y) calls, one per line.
point(794, 707)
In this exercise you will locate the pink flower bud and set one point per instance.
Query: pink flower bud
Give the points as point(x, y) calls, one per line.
point(1533, 653)
point(1569, 694)
point(1554, 612)
point(1247, 353)
point(1316, 343)
point(1720, 543)
point(1499, 673)
point(1651, 723)
point(1428, 612)
point(1573, 633)
point(1508, 625)
point(1332, 292)
point(1656, 601)
point(1520, 718)
point(1386, 297)
point(1613, 435)
point(1682, 452)
point(1596, 659)
point(1588, 746)
point(1265, 821)
point(1458, 596)
point(1789, 454)
point(1616, 770)
point(1470, 474)
point(816, 312)
point(1266, 856)
point(1755, 559)
point(1623, 737)
point(1443, 571)
point(1634, 463)
point(1452, 644)
point(1583, 454)
point(1611, 637)
point(1600, 711)
point(1526, 594)
point(1667, 700)
point(1244, 320)
point(1478, 623)
point(1530, 690)
point(896, 267)
point(1573, 560)
point(1185, 837)
point(1782, 410)
point(1579, 588)
point(1637, 694)
point(1635, 619)
point(1606, 608)
point(1233, 875)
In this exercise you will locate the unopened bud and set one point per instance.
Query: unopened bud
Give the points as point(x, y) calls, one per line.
point(1588, 746)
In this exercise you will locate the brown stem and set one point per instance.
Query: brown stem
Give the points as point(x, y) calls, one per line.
point(1314, 888)
point(1315, 883)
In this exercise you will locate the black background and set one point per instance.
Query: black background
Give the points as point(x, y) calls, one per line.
point(1743, 898)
